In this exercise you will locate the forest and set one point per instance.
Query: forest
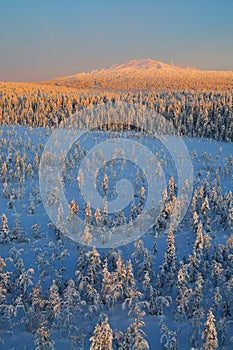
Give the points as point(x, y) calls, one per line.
point(169, 289)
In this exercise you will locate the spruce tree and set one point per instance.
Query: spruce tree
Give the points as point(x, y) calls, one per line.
point(210, 334)
point(103, 337)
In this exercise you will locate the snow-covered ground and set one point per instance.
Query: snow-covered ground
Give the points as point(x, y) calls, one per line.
point(53, 257)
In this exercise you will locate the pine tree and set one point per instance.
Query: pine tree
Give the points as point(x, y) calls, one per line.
point(103, 337)
point(229, 244)
point(4, 230)
point(121, 270)
point(169, 262)
point(59, 222)
point(94, 267)
point(207, 245)
point(197, 293)
point(42, 341)
point(5, 191)
point(74, 209)
point(4, 288)
point(195, 220)
point(155, 249)
point(217, 299)
point(80, 178)
point(105, 184)
point(171, 188)
point(105, 211)
point(194, 202)
point(54, 300)
point(198, 245)
point(88, 214)
point(217, 272)
point(106, 283)
point(71, 304)
point(210, 333)
point(145, 267)
point(130, 282)
point(205, 210)
point(141, 198)
point(97, 216)
point(170, 337)
point(221, 329)
point(171, 250)
point(32, 207)
point(183, 292)
point(132, 209)
point(36, 311)
point(86, 237)
point(23, 284)
point(138, 341)
point(4, 171)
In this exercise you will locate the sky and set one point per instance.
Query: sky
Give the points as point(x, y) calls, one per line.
point(44, 39)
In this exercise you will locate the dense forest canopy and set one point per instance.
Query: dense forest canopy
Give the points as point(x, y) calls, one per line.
point(193, 113)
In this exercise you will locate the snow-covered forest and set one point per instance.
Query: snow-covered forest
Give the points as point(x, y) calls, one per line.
point(194, 113)
point(171, 288)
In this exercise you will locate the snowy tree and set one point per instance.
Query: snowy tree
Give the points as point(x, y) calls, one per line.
point(103, 337)
point(106, 283)
point(54, 300)
point(170, 252)
point(217, 299)
point(229, 244)
point(23, 284)
point(73, 210)
point(169, 261)
point(86, 237)
point(88, 214)
point(105, 183)
point(198, 245)
point(205, 210)
point(42, 341)
point(221, 330)
point(130, 282)
point(4, 288)
point(170, 338)
point(145, 267)
point(5, 191)
point(4, 230)
point(97, 216)
point(94, 267)
point(60, 227)
point(183, 292)
point(210, 334)
point(138, 254)
point(137, 335)
point(195, 220)
point(36, 311)
point(207, 245)
point(69, 307)
point(171, 187)
point(155, 249)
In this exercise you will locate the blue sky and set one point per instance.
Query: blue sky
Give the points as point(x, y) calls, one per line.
point(44, 39)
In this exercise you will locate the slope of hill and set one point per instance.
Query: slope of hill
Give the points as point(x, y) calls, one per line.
point(149, 74)
point(46, 276)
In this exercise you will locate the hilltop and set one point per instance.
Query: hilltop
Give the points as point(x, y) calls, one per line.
point(148, 74)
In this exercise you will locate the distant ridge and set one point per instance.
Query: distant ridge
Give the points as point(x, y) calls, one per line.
point(142, 64)
point(148, 74)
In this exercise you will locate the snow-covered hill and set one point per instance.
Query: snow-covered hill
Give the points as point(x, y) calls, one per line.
point(148, 74)
point(58, 290)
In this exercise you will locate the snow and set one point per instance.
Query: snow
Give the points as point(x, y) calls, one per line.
point(45, 248)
